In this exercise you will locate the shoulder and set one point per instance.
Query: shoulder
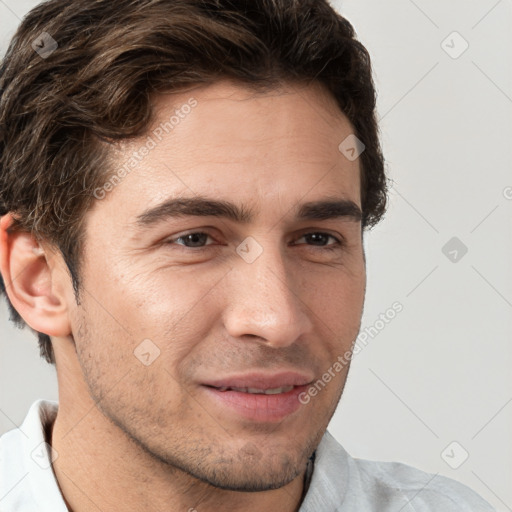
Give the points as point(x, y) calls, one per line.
point(424, 491)
point(378, 485)
point(25, 466)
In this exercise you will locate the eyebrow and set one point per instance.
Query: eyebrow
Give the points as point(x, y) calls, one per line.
point(199, 206)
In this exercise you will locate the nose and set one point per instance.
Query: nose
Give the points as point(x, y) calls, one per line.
point(265, 301)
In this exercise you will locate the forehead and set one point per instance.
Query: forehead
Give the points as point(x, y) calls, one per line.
point(303, 120)
point(225, 141)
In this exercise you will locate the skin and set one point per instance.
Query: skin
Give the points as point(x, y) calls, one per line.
point(134, 437)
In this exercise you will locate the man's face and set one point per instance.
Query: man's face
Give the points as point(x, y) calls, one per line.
point(176, 310)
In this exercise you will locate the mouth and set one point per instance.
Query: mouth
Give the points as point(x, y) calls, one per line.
point(258, 397)
point(256, 391)
point(261, 382)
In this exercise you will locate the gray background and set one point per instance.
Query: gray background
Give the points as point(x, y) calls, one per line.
point(438, 372)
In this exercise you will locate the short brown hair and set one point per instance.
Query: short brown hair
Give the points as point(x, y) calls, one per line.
point(56, 109)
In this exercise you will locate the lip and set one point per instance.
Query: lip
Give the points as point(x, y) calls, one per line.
point(261, 380)
point(256, 407)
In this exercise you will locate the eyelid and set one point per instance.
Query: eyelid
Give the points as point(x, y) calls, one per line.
point(338, 238)
point(185, 234)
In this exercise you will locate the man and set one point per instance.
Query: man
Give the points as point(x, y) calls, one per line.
point(184, 187)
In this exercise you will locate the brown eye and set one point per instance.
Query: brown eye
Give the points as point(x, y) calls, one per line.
point(320, 239)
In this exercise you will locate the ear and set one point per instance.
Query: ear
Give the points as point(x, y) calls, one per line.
point(30, 281)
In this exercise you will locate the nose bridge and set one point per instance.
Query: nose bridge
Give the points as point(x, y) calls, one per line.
point(263, 302)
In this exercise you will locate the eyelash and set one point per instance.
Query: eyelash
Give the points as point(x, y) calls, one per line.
point(331, 247)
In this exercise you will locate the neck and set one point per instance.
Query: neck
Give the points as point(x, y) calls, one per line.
point(100, 467)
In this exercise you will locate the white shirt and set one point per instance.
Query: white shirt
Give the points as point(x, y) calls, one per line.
point(340, 483)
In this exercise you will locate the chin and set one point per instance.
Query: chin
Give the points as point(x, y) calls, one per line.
point(248, 469)
point(248, 476)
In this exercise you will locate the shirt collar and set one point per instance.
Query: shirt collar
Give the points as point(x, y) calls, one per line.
point(33, 477)
point(28, 481)
point(329, 479)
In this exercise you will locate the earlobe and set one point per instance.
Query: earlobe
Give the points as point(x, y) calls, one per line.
point(29, 281)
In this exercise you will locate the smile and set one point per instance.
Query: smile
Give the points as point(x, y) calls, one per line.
point(255, 391)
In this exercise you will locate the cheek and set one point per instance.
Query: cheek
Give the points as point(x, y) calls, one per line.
point(157, 315)
point(124, 376)
point(103, 346)
point(338, 308)
point(338, 296)
point(140, 300)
